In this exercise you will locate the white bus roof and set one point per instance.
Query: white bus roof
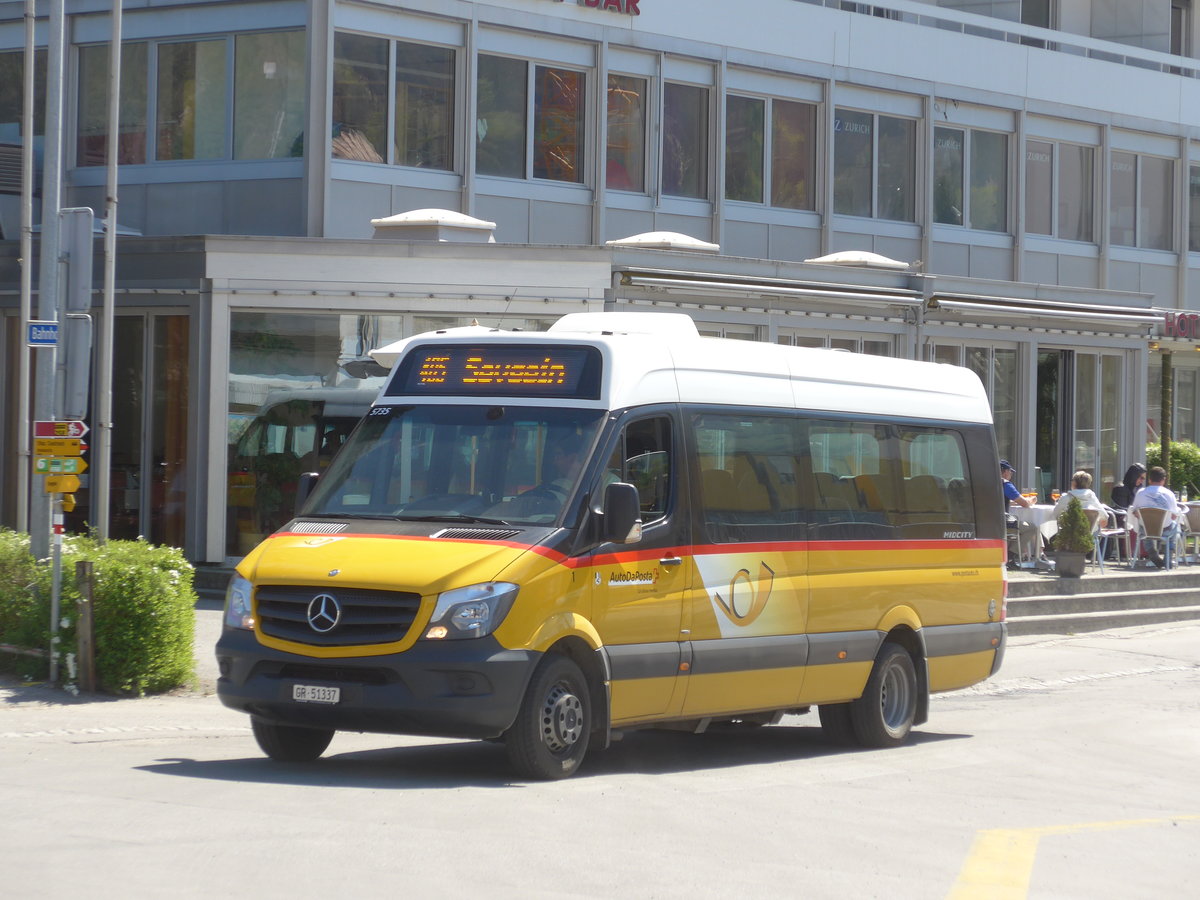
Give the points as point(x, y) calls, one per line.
point(661, 358)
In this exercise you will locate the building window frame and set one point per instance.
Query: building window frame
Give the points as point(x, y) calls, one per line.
point(970, 180)
point(1134, 225)
point(539, 122)
point(761, 147)
point(879, 158)
point(1061, 173)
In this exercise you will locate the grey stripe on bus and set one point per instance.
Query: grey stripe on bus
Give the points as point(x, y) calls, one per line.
point(662, 660)
point(951, 640)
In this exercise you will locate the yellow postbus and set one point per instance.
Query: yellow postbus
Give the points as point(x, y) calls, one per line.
point(551, 538)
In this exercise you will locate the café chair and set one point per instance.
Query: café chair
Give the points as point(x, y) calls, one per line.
point(1191, 536)
point(1103, 534)
point(1151, 523)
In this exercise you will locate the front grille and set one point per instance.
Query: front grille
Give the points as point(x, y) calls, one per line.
point(367, 617)
point(337, 674)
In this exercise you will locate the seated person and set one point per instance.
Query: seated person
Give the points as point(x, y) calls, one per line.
point(1081, 487)
point(1029, 535)
point(561, 464)
point(1157, 494)
point(1123, 494)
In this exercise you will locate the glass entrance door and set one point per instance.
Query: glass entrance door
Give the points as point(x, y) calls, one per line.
point(1055, 410)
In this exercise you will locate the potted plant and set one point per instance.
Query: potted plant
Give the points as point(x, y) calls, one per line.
point(1074, 540)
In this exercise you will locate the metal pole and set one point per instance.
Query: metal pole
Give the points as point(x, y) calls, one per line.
point(102, 475)
point(44, 385)
point(24, 459)
point(1168, 424)
point(55, 584)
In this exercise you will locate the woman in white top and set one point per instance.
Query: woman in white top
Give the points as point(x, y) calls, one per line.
point(1081, 487)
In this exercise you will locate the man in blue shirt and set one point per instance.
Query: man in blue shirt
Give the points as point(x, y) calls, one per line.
point(1027, 533)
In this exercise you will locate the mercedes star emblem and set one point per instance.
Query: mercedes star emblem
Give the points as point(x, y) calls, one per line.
point(324, 612)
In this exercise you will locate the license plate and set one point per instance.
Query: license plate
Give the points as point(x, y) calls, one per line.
point(315, 693)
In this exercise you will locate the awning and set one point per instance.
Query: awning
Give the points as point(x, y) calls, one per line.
point(1047, 309)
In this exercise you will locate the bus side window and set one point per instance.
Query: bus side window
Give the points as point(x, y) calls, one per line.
point(645, 462)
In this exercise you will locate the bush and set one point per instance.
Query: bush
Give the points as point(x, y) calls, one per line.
point(143, 613)
point(1185, 465)
point(1074, 530)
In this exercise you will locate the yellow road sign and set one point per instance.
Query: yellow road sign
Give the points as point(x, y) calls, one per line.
point(62, 484)
point(69, 465)
point(58, 446)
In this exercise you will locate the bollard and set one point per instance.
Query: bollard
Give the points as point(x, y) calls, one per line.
point(86, 628)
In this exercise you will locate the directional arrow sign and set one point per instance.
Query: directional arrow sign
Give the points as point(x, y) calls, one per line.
point(58, 447)
point(49, 429)
point(62, 484)
point(71, 465)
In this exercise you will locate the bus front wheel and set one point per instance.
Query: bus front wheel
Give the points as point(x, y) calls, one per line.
point(550, 736)
point(883, 716)
point(288, 743)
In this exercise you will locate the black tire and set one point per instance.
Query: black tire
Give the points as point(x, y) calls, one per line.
point(550, 736)
point(288, 743)
point(883, 716)
point(835, 723)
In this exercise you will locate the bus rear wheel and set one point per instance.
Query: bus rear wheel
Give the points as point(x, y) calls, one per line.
point(883, 716)
point(550, 736)
point(289, 743)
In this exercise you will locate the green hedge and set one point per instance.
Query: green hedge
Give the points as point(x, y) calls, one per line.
point(144, 612)
point(1185, 465)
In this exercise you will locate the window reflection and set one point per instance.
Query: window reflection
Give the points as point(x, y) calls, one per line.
point(268, 101)
point(92, 146)
point(558, 124)
point(793, 154)
point(685, 141)
point(626, 160)
point(360, 90)
point(424, 106)
point(191, 100)
point(745, 121)
point(501, 111)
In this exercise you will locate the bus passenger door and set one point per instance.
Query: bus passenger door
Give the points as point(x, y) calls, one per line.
point(639, 589)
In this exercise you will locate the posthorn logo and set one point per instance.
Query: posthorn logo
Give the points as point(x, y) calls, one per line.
point(324, 613)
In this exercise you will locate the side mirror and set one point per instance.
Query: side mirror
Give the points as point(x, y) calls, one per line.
point(622, 523)
point(304, 485)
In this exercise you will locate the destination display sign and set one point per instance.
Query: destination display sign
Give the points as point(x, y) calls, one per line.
point(498, 371)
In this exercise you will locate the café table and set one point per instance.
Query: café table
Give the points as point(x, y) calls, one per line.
point(1041, 516)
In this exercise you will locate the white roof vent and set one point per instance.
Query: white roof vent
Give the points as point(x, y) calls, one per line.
point(664, 324)
point(665, 240)
point(858, 258)
point(439, 225)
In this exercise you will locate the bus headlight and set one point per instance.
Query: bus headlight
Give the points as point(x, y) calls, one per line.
point(470, 612)
point(237, 604)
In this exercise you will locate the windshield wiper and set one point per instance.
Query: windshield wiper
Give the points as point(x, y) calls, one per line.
point(453, 517)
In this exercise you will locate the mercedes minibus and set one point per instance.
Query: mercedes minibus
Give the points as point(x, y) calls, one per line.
point(552, 538)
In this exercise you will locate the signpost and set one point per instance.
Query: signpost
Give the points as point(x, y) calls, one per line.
point(62, 484)
point(55, 465)
point(51, 429)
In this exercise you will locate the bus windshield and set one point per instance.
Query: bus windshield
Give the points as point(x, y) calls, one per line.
point(504, 464)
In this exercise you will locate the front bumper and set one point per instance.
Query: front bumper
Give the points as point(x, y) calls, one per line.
point(467, 689)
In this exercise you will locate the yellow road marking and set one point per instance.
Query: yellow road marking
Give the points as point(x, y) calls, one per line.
point(1000, 863)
